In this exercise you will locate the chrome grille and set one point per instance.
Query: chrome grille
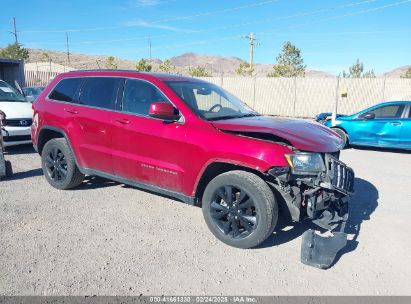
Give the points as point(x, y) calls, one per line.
point(23, 122)
point(342, 176)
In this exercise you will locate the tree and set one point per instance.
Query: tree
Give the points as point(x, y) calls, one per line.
point(198, 71)
point(45, 57)
point(15, 51)
point(289, 62)
point(407, 73)
point(110, 64)
point(244, 69)
point(357, 71)
point(167, 66)
point(143, 66)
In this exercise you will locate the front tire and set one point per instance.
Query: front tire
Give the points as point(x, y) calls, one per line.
point(59, 165)
point(240, 209)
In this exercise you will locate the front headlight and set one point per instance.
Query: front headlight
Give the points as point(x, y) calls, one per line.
point(303, 163)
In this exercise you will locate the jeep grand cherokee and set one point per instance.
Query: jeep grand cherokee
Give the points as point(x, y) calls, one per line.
point(194, 141)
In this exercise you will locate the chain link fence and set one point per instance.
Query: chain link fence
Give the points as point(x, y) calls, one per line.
point(293, 97)
point(306, 97)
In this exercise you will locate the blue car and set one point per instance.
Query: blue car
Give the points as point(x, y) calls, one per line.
point(384, 125)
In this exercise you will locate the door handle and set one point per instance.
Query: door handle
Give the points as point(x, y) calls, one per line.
point(123, 121)
point(72, 111)
point(396, 123)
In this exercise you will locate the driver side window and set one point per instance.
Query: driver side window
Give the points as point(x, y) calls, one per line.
point(138, 95)
point(392, 111)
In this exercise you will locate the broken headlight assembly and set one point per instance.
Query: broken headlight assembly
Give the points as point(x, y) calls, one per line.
point(306, 163)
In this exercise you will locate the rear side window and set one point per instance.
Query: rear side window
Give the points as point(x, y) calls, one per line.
point(393, 111)
point(66, 89)
point(100, 92)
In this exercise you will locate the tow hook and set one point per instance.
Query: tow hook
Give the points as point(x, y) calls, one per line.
point(319, 251)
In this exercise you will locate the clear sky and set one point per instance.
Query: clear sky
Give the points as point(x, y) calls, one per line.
point(332, 34)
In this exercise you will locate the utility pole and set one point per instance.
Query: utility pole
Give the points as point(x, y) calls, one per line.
point(68, 50)
point(149, 44)
point(14, 32)
point(252, 39)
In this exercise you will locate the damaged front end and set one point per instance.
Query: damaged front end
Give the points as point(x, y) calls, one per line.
point(316, 186)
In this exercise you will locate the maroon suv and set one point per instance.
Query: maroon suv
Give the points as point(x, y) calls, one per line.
point(191, 140)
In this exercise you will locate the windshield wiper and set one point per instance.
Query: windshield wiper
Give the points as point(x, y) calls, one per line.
point(250, 115)
point(224, 117)
point(233, 116)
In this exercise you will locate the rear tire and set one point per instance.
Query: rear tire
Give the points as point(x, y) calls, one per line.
point(59, 165)
point(342, 134)
point(240, 209)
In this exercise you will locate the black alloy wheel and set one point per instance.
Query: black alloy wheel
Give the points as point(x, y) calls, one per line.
point(239, 208)
point(233, 211)
point(56, 165)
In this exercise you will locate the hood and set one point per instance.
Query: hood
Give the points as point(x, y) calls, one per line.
point(16, 109)
point(302, 134)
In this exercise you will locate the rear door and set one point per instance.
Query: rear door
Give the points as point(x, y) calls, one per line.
point(384, 130)
point(96, 102)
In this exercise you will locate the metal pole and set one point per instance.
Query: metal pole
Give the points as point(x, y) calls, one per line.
point(149, 43)
point(295, 94)
point(383, 89)
point(334, 115)
point(15, 31)
point(68, 50)
point(254, 90)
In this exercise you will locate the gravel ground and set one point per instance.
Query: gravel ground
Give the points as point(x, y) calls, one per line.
point(106, 238)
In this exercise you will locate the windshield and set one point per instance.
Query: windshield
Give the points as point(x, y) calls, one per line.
point(33, 91)
point(8, 93)
point(210, 101)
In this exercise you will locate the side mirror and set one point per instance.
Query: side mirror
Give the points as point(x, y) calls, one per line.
point(163, 110)
point(367, 116)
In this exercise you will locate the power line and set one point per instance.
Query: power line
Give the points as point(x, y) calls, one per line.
point(178, 18)
point(370, 10)
point(299, 14)
point(291, 27)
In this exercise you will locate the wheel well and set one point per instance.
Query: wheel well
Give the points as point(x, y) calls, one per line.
point(342, 129)
point(46, 135)
point(215, 169)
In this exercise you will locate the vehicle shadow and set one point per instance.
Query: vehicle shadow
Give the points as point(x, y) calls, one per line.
point(25, 174)
point(362, 204)
point(379, 149)
point(95, 182)
point(17, 150)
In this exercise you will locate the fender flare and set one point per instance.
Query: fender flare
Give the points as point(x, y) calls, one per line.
point(63, 133)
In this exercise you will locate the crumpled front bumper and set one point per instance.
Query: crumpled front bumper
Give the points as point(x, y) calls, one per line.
point(323, 199)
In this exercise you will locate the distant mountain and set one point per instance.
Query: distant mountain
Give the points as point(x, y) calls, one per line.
point(398, 72)
point(216, 65)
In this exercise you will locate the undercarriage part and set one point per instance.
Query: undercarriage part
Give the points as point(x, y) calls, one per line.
point(319, 251)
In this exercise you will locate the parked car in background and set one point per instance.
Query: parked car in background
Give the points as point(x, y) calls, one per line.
point(19, 115)
point(31, 93)
point(190, 139)
point(384, 125)
point(323, 117)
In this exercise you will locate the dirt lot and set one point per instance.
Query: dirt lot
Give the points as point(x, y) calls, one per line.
point(105, 238)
